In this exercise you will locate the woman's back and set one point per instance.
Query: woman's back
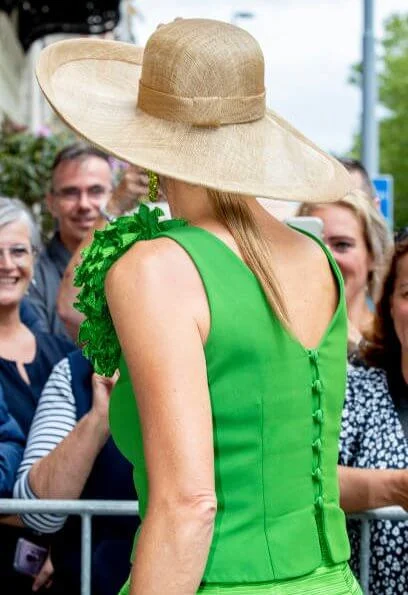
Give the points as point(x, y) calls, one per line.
point(302, 272)
point(273, 409)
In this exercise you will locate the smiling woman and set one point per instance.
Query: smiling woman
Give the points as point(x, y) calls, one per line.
point(16, 262)
point(360, 241)
point(26, 358)
point(374, 436)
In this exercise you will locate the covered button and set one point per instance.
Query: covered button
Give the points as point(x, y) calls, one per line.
point(317, 445)
point(319, 502)
point(318, 416)
point(317, 474)
point(317, 386)
point(313, 355)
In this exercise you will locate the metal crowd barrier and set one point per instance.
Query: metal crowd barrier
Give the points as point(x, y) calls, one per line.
point(391, 513)
point(86, 509)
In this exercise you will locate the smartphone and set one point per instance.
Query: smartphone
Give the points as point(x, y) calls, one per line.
point(29, 557)
point(313, 225)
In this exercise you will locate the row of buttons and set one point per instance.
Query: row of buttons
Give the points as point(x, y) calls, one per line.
point(317, 416)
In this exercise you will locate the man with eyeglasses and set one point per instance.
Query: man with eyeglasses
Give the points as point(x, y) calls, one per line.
point(81, 184)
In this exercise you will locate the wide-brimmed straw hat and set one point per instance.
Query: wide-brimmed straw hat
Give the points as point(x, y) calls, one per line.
point(191, 107)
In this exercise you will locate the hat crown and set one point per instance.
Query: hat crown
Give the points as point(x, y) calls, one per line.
point(203, 58)
point(193, 108)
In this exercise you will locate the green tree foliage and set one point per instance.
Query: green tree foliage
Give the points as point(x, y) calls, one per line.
point(25, 162)
point(393, 95)
point(393, 92)
point(25, 166)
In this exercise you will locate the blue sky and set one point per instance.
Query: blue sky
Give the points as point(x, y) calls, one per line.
point(309, 46)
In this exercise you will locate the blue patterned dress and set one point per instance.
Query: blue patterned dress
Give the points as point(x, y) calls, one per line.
point(372, 436)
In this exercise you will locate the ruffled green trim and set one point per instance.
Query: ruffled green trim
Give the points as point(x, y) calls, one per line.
point(97, 334)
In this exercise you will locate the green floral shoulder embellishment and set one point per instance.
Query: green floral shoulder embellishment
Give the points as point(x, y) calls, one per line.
point(97, 334)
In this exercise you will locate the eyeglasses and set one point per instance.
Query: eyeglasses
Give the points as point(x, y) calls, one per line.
point(94, 193)
point(17, 254)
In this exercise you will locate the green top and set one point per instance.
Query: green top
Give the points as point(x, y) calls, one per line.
point(276, 410)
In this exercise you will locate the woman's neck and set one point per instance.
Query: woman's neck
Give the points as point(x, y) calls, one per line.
point(359, 314)
point(187, 201)
point(191, 202)
point(10, 320)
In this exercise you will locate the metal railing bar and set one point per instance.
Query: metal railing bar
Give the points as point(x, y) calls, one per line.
point(99, 507)
point(392, 513)
point(89, 508)
point(388, 513)
point(365, 555)
point(86, 557)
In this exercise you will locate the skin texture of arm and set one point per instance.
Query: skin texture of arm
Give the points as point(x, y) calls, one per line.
point(60, 452)
point(64, 471)
point(12, 520)
point(162, 344)
point(364, 489)
point(54, 418)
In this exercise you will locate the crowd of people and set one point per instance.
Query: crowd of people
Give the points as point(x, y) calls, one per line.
point(55, 440)
point(54, 435)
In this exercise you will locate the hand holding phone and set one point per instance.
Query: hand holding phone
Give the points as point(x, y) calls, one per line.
point(29, 557)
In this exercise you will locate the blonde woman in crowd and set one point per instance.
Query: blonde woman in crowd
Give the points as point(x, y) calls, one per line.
point(360, 241)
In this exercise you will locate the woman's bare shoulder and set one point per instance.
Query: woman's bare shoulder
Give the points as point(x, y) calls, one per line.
point(300, 247)
point(157, 262)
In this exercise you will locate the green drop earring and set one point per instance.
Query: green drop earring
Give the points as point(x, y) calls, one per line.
point(153, 189)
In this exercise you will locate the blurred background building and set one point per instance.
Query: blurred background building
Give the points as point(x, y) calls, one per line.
point(26, 26)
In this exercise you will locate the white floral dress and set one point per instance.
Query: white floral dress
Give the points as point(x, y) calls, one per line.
point(372, 436)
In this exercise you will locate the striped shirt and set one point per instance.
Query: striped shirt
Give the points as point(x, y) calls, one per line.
point(54, 419)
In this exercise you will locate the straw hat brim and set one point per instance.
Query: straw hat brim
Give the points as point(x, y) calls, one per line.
point(93, 86)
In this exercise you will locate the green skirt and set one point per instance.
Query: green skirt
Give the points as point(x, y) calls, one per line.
point(325, 580)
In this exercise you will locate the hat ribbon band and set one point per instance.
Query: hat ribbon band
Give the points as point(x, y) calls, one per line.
point(201, 111)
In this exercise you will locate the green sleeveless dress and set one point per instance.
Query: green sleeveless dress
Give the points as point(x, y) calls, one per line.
point(276, 415)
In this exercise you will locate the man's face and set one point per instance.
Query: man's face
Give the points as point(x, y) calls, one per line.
point(79, 188)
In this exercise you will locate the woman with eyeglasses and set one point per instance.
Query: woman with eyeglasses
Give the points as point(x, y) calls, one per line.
point(26, 357)
point(358, 236)
point(374, 436)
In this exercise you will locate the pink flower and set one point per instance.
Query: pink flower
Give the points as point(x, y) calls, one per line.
point(43, 131)
point(117, 165)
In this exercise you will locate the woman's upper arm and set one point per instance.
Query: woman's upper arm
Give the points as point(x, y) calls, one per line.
point(151, 301)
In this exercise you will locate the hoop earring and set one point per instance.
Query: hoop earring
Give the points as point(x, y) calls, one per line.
point(153, 191)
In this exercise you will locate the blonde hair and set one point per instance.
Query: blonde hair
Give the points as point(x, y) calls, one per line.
point(376, 234)
point(235, 214)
